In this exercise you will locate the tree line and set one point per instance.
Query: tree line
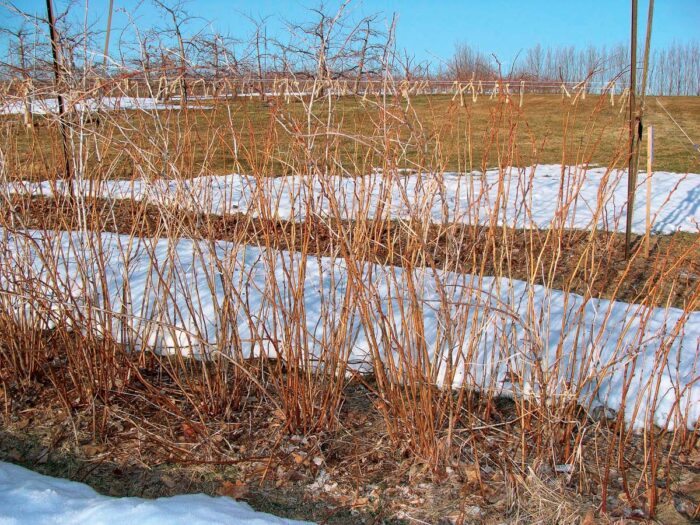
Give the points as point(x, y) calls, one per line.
point(330, 45)
point(673, 70)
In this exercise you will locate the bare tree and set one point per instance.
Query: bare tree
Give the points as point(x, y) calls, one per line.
point(18, 47)
point(467, 63)
point(334, 46)
point(179, 17)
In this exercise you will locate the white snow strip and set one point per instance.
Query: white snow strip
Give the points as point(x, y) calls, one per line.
point(28, 498)
point(50, 105)
point(539, 197)
point(169, 295)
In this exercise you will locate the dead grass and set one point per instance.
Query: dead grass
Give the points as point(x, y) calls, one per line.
point(149, 441)
point(250, 136)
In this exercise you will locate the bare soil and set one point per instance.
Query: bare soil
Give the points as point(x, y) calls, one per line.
point(589, 264)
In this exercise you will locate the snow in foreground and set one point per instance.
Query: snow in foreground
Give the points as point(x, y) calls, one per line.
point(183, 295)
point(28, 498)
point(539, 197)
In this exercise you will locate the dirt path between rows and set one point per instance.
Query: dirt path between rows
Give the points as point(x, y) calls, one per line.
point(588, 264)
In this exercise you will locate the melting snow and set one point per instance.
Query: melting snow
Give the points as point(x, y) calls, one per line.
point(539, 197)
point(168, 295)
point(28, 498)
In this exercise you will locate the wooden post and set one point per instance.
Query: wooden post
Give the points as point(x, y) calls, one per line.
point(26, 97)
point(631, 166)
point(522, 92)
point(639, 115)
point(108, 32)
point(26, 85)
point(650, 160)
point(61, 105)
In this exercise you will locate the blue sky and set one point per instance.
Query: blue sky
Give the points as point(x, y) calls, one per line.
point(430, 29)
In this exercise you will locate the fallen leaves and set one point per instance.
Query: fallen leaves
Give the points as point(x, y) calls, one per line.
point(589, 518)
point(190, 430)
point(472, 474)
point(168, 481)
point(22, 423)
point(236, 490)
point(91, 450)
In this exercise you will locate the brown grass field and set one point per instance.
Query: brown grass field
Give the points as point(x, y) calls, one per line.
point(250, 136)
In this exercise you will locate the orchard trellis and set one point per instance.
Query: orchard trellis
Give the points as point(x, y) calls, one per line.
point(166, 87)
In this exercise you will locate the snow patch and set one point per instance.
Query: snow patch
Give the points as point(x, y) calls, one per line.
point(28, 498)
point(168, 295)
point(541, 197)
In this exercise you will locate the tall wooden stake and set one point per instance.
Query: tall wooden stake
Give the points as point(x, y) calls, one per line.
point(26, 84)
point(57, 73)
point(109, 30)
point(650, 160)
point(650, 133)
point(631, 171)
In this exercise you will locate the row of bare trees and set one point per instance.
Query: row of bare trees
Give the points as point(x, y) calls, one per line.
point(331, 45)
point(673, 70)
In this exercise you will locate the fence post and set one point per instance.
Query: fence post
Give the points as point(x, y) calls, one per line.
point(650, 160)
point(522, 91)
point(632, 124)
point(612, 95)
